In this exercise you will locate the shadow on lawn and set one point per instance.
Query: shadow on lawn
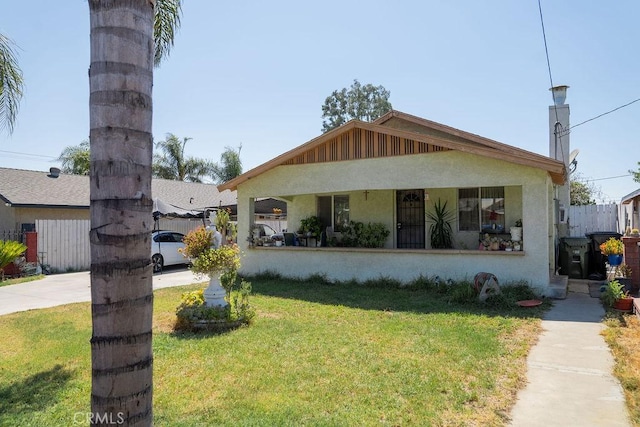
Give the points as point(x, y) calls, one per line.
point(390, 295)
point(33, 393)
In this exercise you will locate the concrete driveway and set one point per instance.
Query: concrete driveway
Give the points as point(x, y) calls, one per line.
point(59, 289)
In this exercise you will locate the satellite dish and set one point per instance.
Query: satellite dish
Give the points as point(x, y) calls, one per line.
point(573, 163)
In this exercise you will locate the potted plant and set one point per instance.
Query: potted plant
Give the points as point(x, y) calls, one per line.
point(613, 249)
point(311, 226)
point(516, 231)
point(623, 275)
point(221, 264)
point(440, 229)
point(615, 296)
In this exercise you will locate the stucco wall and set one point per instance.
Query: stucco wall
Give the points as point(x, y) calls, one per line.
point(12, 218)
point(7, 218)
point(441, 174)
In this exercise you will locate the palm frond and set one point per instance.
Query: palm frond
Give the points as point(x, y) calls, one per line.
point(11, 84)
point(166, 23)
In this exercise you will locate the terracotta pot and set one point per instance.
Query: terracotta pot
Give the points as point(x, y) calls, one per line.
point(623, 304)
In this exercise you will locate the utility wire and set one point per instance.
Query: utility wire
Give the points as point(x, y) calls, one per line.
point(557, 132)
point(28, 154)
point(604, 114)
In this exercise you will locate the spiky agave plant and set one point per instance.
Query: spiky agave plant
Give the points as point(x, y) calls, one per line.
point(440, 228)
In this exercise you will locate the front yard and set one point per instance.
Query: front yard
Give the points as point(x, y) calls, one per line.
point(317, 354)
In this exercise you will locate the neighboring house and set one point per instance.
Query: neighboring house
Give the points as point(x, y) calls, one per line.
point(630, 211)
point(57, 207)
point(392, 171)
point(34, 195)
point(27, 196)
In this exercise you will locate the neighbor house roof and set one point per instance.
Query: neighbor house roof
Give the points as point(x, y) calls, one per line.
point(629, 197)
point(396, 134)
point(26, 188)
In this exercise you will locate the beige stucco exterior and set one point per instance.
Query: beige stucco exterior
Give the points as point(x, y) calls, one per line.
point(528, 195)
point(12, 218)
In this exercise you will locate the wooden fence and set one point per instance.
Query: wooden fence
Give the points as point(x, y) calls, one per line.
point(592, 218)
point(64, 244)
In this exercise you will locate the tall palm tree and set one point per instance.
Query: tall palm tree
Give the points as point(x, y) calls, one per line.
point(172, 163)
point(120, 103)
point(75, 159)
point(229, 167)
point(11, 84)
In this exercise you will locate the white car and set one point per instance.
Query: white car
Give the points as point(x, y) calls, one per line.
point(164, 249)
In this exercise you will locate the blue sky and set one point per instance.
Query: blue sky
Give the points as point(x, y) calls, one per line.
point(257, 73)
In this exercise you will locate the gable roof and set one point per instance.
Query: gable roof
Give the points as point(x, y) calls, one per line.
point(26, 188)
point(397, 134)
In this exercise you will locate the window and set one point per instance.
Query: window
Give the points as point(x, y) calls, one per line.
point(481, 208)
point(334, 211)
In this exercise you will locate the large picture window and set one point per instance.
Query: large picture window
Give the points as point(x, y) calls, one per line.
point(481, 209)
point(334, 211)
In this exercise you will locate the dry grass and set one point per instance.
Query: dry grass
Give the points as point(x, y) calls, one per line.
point(623, 337)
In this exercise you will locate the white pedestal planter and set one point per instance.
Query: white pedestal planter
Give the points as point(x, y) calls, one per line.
point(214, 294)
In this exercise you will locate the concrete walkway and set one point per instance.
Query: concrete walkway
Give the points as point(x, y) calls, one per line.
point(59, 289)
point(569, 371)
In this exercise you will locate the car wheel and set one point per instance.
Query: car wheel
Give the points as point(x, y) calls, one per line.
point(158, 262)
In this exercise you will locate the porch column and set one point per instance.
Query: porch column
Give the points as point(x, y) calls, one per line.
point(246, 215)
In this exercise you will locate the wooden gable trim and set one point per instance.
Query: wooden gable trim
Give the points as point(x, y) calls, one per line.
point(360, 143)
point(361, 140)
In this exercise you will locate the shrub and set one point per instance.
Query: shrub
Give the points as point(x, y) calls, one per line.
point(360, 235)
point(196, 242)
point(9, 251)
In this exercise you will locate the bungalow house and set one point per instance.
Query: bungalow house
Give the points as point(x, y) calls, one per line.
point(394, 171)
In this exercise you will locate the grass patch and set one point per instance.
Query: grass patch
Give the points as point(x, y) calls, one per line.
point(18, 280)
point(623, 337)
point(318, 353)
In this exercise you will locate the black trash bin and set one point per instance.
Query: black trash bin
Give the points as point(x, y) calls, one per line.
point(574, 257)
point(597, 261)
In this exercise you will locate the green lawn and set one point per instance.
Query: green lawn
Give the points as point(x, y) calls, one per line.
point(317, 354)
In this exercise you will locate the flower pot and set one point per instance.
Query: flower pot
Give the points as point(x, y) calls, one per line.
point(516, 233)
point(623, 304)
point(614, 260)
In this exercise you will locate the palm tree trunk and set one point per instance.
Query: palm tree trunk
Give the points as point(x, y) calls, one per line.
point(121, 79)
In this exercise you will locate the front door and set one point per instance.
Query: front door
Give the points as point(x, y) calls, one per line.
point(410, 219)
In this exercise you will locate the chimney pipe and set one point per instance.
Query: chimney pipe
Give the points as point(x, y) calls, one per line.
point(559, 94)
point(54, 172)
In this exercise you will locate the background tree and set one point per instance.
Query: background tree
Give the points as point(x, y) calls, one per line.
point(229, 167)
point(172, 163)
point(582, 193)
point(122, 57)
point(365, 103)
point(76, 159)
point(11, 84)
point(636, 174)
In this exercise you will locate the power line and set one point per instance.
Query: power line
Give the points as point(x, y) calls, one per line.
point(604, 114)
point(28, 154)
point(558, 133)
point(609, 177)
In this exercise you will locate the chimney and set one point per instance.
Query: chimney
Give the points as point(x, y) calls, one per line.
point(54, 172)
point(560, 149)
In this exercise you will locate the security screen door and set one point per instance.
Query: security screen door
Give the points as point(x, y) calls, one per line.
point(410, 219)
